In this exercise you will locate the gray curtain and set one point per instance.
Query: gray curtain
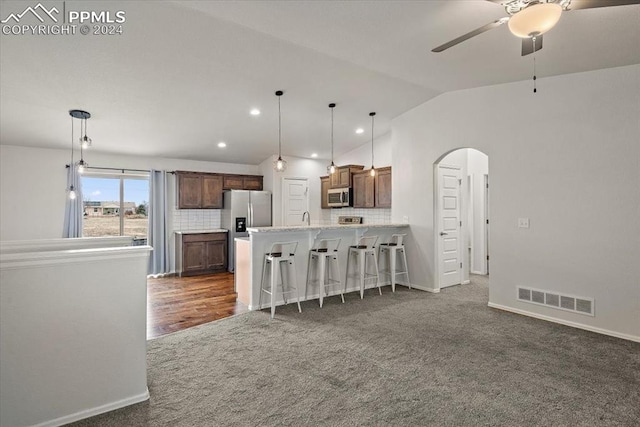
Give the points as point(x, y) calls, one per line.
point(158, 238)
point(73, 211)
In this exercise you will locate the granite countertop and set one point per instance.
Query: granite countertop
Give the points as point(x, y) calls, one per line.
point(214, 230)
point(284, 228)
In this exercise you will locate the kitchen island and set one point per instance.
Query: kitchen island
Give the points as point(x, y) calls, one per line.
point(251, 252)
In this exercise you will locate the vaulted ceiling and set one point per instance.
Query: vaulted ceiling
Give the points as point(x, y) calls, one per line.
point(183, 75)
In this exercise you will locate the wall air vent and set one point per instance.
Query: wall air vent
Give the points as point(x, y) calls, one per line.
point(580, 305)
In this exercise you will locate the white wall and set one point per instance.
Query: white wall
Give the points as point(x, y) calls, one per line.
point(296, 168)
point(362, 154)
point(568, 159)
point(33, 185)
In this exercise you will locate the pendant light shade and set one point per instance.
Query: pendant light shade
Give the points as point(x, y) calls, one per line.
point(373, 169)
point(332, 166)
point(534, 20)
point(85, 141)
point(279, 165)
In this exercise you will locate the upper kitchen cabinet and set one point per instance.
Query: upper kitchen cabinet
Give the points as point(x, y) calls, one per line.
point(325, 183)
point(383, 188)
point(242, 182)
point(211, 192)
point(363, 190)
point(342, 176)
point(370, 191)
point(199, 190)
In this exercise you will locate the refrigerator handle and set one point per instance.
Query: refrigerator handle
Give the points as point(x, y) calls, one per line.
point(251, 213)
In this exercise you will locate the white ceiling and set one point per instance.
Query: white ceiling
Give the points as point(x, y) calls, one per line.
point(184, 74)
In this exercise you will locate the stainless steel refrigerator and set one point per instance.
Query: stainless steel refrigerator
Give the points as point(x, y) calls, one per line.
point(242, 209)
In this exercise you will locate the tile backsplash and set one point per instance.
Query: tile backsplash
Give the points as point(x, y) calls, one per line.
point(196, 219)
point(369, 216)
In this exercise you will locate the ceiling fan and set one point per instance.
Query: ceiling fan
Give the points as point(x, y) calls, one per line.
point(530, 19)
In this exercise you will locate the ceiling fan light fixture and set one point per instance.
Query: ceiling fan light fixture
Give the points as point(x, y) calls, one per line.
point(535, 19)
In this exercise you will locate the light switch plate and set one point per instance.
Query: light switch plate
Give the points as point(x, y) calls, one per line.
point(405, 219)
point(523, 222)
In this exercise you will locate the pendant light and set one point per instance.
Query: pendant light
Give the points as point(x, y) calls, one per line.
point(85, 141)
point(279, 165)
point(373, 169)
point(332, 166)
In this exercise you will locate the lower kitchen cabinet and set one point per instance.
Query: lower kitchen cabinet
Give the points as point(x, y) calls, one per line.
point(201, 253)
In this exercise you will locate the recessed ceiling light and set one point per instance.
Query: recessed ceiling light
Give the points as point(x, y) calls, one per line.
point(222, 144)
point(314, 155)
point(255, 112)
point(359, 130)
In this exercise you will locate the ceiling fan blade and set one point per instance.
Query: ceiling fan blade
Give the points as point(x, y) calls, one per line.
point(527, 45)
point(473, 33)
point(590, 4)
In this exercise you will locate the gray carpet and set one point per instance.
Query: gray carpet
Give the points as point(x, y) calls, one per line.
point(406, 359)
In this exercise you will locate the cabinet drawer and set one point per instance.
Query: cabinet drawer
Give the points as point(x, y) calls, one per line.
point(203, 237)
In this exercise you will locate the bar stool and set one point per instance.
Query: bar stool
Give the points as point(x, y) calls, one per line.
point(272, 272)
point(362, 251)
point(324, 256)
point(389, 253)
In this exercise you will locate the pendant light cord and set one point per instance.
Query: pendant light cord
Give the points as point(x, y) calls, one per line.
point(81, 141)
point(372, 119)
point(71, 141)
point(332, 135)
point(279, 129)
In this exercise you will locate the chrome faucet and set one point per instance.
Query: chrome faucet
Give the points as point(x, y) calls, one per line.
point(308, 215)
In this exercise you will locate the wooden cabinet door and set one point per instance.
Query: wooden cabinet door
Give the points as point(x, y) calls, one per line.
point(189, 191)
point(383, 188)
point(211, 191)
point(193, 256)
point(325, 183)
point(363, 190)
point(233, 182)
point(334, 179)
point(253, 182)
point(344, 177)
point(216, 258)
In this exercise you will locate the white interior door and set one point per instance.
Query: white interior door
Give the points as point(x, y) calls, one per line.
point(449, 231)
point(295, 200)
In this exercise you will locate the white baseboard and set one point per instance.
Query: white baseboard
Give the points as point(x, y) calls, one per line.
point(95, 411)
point(465, 282)
point(424, 288)
point(566, 322)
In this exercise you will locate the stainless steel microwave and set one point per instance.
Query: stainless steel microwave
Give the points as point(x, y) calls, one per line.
point(340, 197)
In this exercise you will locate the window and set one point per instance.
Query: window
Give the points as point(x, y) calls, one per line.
point(115, 204)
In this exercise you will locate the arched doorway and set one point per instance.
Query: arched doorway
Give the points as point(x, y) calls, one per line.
point(461, 215)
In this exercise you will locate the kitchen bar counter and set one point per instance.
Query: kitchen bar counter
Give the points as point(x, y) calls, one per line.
point(262, 238)
point(215, 230)
point(279, 229)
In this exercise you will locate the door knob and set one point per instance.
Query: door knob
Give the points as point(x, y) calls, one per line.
point(442, 233)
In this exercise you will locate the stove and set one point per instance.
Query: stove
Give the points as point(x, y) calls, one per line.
point(349, 220)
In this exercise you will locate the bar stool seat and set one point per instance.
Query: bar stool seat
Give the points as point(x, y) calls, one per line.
point(275, 276)
point(362, 252)
point(324, 260)
point(389, 253)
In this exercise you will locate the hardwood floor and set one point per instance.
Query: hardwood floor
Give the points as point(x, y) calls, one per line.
point(176, 303)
